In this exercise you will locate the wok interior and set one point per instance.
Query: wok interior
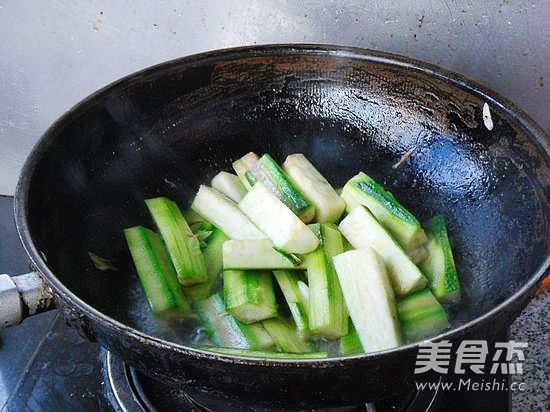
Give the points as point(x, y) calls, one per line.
point(164, 132)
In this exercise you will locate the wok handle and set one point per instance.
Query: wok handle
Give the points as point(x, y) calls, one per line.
point(22, 296)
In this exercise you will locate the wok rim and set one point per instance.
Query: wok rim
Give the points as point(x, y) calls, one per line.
point(533, 130)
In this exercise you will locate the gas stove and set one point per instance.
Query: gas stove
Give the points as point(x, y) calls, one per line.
point(47, 366)
point(126, 389)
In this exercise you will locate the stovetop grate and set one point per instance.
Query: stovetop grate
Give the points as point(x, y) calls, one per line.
point(127, 390)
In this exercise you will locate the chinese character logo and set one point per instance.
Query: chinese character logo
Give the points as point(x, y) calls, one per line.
point(470, 354)
point(433, 356)
point(512, 348)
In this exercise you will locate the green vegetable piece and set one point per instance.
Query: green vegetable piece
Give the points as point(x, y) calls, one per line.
point(288, 281)
point(226, 331)
point(183, 246)
point(351, 344)
point(155, 271)
point(421, 315)
point(402, 224)
point(285, 336)
point(274, 178)
point(213, 259)
point(249, 295)
point(327, 312)
point(102, 263)
point(439, 266)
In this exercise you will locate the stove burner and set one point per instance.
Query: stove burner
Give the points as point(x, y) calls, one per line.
point(126, 390)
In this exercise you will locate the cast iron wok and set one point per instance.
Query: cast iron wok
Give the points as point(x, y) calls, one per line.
point(166, 129)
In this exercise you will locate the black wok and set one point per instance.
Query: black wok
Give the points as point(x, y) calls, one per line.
point(166, 129)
